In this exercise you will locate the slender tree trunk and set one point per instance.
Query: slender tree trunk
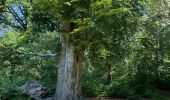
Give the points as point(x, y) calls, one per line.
point(109, 76)
point(159, 55)
point(69, 72)
point(12, 72)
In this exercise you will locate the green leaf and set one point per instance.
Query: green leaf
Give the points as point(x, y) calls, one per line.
point(67, 3)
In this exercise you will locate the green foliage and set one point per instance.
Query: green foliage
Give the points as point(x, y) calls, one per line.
point(9, 89)
point(17, 60)
point(126, 45)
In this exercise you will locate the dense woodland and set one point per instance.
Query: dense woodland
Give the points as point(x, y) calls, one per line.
point(82, 49)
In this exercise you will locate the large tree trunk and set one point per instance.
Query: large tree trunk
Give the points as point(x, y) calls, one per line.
point(69, 72)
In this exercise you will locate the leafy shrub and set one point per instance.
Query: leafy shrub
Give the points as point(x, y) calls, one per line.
point(9, 88)
point(89, 89)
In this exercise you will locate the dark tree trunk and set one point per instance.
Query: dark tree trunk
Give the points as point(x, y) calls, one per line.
point(69, 72)
point(12, 71)
point(109, 76)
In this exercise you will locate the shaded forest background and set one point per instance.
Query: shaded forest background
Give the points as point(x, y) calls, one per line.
point(126, 46)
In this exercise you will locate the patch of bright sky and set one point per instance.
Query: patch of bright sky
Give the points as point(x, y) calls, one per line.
point(17, 8)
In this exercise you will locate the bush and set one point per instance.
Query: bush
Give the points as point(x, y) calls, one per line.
point(9, 88)
point(118, 90)
point(89, 89)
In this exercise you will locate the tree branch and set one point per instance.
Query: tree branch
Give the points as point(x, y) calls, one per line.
point(17, 18)
point(38, 54)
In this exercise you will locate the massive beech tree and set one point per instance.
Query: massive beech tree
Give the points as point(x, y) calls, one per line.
point(97, 28)
point(84, 24)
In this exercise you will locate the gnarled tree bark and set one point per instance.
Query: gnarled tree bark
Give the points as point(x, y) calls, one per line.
point(69, 71)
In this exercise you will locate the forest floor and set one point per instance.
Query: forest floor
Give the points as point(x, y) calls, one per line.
point(165, 94)
point(108, 98)
point(122, 99)
point(161, 95)
point(103, 98)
